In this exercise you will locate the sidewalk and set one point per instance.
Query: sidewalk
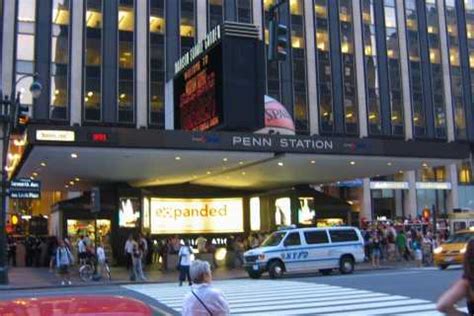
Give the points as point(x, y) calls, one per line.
point(37, 278)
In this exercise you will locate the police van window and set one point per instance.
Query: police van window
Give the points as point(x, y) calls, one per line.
point(343, 235)
point(293, 239)
point(316, 237)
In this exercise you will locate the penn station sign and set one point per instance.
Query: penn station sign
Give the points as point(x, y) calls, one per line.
point(285, 143)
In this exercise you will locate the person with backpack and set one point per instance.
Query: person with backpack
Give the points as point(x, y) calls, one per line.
point(184, 261)
point(64, 260)
point(137, 262)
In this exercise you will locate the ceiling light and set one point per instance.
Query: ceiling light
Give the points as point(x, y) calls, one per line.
point(241, 162)
point(35, 174)
point(280, 164)
point(73, 155)
point(43, 164)
point(208, 172)
point(77, 179)
point(243, 173)
point(71, 182)
point(224, 159)
point(425, 165)
point(66, 186)
point(32, 178)
point(389, 163)
point(177, 158)
point(400, 171)
point(352, 162)
point(313, 162)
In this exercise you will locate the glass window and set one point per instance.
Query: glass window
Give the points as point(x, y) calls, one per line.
point(126, 62)
point(157, 53)
point(216, 14)
point(301, 115)
point(293, 239)
point(465, 173)
point(187, 25)
point(26, 10)
point(343, 235)
point(244, 11)
point(93, 61)
point(348, 67)
point(59, 60)
point(316, 237)
point(273, 240)
point(323, 66)
point(273, 69)
point(394, 72)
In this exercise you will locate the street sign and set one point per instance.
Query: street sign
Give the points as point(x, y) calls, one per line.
point(95, 200)
point(25, 189)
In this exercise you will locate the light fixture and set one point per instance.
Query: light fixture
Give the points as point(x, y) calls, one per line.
point(425, 165)
point(32, 178)
point(400, 171)
point(77, 179)
point(352, 162)
point(74, 156)
point(389, 163)
point(90, 94)
point(224, 159)
point(313, 162)
point(43, 164)
point(241, 162)
point(208, 172)
point(71, 182)
point(177, 158)
point(66, 186)
point(280, 164)
point(244, 173)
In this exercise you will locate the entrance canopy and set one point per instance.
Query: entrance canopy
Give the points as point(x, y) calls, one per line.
point(85, 156)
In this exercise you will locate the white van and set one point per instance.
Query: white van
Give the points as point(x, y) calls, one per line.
point(306, 249)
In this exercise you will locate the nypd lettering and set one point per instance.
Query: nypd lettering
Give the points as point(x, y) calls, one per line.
point(294, 255)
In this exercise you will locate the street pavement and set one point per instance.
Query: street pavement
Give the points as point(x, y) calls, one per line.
point(402, 291)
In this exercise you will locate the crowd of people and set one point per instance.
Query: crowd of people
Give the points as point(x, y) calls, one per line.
point(385, 242)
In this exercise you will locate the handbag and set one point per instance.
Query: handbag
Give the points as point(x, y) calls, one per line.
point(202, 303)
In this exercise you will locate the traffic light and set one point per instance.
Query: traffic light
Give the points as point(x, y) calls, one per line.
point(20, 118)
point(278, 48)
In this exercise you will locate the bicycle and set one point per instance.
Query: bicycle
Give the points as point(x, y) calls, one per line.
point(89, 269)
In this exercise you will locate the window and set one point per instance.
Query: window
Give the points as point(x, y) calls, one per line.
point(216, 14)
point(59, 60)
point(301, 115)
point(316, 237)
point(348, 67)
point(469, 15)
point(244, 11)
point(323, 66)
point(343, 235)
point(157, 53)
point(293, 239)
point(465, 173)
point(93, 61)
point(187, 25)
point(273, 69)
point(126, 62)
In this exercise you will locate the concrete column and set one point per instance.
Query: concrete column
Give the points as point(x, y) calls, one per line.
point(366, 211)
point(141, 62)
point(446, 74)
point(8, 46)
point(201, 19)
point(398, 202)
point(258, 16)
point(169, 105)
point(360, 71)
point(409, 202)
point(402, 37)
point(311, 67)
point(77, 49)
point(452, 196)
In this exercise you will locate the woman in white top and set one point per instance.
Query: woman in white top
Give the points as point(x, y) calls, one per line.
point(184, 261)
point(204, 299)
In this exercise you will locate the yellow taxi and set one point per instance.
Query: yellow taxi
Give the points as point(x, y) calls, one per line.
point(452, 251)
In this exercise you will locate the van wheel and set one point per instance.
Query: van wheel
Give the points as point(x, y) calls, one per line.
point(275, 270)
point(325, 271)
point(346, 265)
point(443, 266)
point(254, 274)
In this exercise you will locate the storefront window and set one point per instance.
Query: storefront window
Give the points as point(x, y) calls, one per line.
point(255, 223)
point(323, 66)
point(427, 199)
point(59, 60)
point(283, 211)
point(157, 72)
point(348, 67)
point(244, 11)
point(216, 13)
point(299, 67)
point(187, 25)
point(306, 211)
point(93, 61)
point(273, 70)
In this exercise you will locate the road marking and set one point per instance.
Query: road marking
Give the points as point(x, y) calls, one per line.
point(280, 297)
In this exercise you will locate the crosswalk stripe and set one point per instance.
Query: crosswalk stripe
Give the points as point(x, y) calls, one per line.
point(282, 297)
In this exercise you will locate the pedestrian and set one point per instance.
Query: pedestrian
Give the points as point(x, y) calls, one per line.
point(64, 260)
point(82, 250)
point(201, 244)
point(137, 262)
point(204, 299)
point(184, 261)
point(416, 247)
point(462, 288)
point(376, 252)
point(53, 247)
point(128, 250)
point(101, 258)
point(11, 251)
point(143, 245)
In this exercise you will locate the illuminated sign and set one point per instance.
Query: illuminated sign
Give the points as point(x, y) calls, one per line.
point(433, 186)
point(393, 185)
point(55, 136)
point(25, 189)
point(129, 212)
point(184, 216)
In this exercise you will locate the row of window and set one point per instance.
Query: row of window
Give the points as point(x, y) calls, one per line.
point(335, 61)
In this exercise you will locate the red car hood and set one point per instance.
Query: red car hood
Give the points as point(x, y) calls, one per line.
point(75, 306)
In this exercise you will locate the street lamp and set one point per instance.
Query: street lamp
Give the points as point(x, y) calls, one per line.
point(9, 111)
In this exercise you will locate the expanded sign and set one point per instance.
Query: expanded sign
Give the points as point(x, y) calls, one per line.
point(195, 216)
point(55, 135)
point(433, 186)
point(25, 189)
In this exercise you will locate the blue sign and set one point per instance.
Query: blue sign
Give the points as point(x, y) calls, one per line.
point(350, 183)
point(25, 189)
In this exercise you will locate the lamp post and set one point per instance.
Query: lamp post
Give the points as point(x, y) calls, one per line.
point(9, 111)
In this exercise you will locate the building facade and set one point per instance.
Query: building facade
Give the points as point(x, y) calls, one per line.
point(400, 70)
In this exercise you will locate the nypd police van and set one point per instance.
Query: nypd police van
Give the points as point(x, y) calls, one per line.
point(306, 249)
